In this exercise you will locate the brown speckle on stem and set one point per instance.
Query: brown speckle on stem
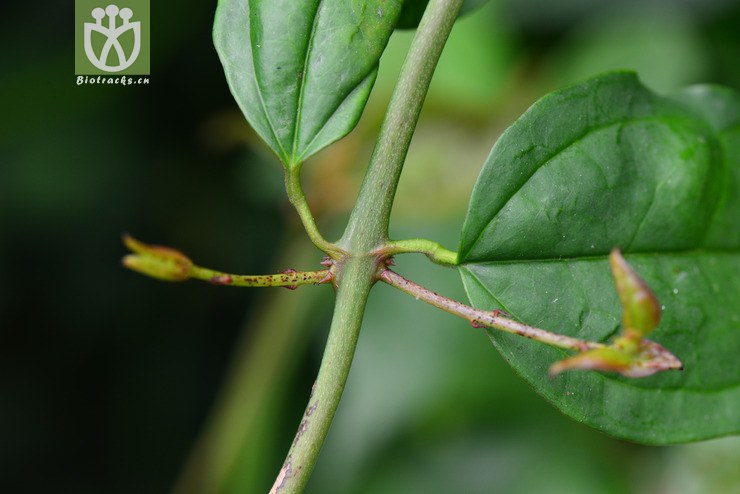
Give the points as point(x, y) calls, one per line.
point(285, 473)
point(301, 430)
point(287, 279)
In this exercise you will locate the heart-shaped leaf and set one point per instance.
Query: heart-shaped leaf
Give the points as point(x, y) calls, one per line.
point(605, 164)
point(302, 70)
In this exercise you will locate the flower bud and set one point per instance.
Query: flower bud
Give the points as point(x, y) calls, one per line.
point(640, 308)
point(604, 359)
point(163, 263)
point(646, 360)
point(629, 354)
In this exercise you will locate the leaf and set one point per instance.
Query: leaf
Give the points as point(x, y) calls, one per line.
point(413, 10)
point(302, 70)
point(602, 164)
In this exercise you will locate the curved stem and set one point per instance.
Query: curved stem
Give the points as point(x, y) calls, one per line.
point(433, 250)
point(480, 318)
point(298, 199)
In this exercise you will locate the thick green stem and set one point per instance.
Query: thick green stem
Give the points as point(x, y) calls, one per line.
point(358, 255)
point(368, 224)
point(356, 279)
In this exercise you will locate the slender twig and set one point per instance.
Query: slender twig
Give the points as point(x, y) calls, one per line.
point(430, 248)
point(481, 318)
point(168, 264)
point(289, 278)
point(298, 199)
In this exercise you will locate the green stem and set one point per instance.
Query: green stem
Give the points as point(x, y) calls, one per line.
point(288, 278)
point(368, 224)
point(367, 230)
point(430, 248)
point(357, 277)
point(298, 200)
point(481, 318)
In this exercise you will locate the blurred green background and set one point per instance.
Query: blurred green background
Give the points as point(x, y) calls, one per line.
point(114, 383)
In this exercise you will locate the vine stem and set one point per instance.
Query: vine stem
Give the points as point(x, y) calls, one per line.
point(368, 224)
point(355, 282)
point(357, 259)
point(480, 318)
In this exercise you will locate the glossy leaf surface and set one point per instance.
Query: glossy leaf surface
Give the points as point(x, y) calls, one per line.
point(605, 164)
point(302, 70)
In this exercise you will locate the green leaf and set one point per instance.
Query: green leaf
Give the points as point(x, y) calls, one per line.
point(413, 10)
point(604, 164)
point(302, 70)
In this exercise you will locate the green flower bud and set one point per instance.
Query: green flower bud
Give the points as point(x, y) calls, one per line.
point(640, 308)
point(647, 359)
point(163, 263)
point(629, 354)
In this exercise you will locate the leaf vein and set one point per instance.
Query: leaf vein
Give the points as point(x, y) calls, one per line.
point(695, 252)
point(556, 152)
point(326, 122)
point(260, 91)
point(304, 73)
